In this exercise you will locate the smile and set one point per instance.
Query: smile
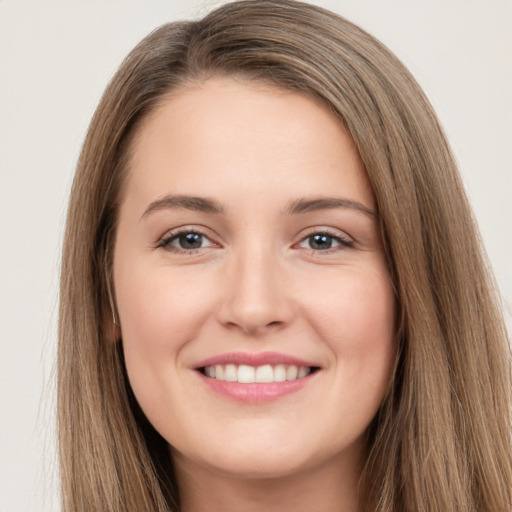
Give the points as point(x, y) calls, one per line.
point(246, 374)
point(256, 378)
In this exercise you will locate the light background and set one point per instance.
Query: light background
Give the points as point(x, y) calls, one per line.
point(56, 57)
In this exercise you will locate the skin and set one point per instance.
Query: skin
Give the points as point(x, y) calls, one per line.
point(258, 283)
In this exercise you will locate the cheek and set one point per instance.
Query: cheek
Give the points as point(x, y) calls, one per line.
point(354, 308)
point(356, 318)
point(160, 311)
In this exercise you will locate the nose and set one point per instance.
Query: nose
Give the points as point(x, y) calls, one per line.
point(256, 299)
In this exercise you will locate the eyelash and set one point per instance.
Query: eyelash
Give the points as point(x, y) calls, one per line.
point(344, 243)
point(165, 242)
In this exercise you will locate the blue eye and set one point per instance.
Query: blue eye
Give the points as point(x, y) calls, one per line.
point(324, 242)
point(186, 241)
point(320, 242)
point(189, 240)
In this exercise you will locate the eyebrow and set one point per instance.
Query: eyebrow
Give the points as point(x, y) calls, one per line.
point(200, 204)
point(326, 203)
point(296, 206)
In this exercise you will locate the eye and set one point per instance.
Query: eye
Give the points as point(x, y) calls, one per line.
point(324, 242)
point(186, 241)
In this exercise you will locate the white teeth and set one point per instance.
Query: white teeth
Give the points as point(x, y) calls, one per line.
point(246, 374)
point(279, 373)
point(264, 373)
point(230, 374)
point(291, 373)
point(303, 371)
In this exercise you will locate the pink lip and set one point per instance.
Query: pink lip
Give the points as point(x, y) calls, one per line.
point(256, 392)
point(254, 359)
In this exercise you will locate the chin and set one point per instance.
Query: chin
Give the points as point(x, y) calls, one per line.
point(261, 460)
point(257, 466)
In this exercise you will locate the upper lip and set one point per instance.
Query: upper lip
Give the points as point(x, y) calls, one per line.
point(254, 359)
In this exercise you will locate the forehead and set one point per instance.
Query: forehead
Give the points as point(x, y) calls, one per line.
point(233, 135)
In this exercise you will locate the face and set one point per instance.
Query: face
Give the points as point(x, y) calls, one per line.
point(255, 304)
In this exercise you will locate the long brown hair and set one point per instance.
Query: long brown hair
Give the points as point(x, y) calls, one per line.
point(441, 440)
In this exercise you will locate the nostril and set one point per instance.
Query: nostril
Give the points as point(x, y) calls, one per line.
point(253, 326)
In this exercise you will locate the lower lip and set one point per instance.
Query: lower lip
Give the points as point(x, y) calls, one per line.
point(256, 392)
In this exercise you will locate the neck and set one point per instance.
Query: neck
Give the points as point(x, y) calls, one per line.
point(329, 488)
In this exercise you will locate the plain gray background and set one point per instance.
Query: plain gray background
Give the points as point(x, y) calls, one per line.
point(56, 57)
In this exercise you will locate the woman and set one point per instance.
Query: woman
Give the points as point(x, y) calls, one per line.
point(273, 292)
